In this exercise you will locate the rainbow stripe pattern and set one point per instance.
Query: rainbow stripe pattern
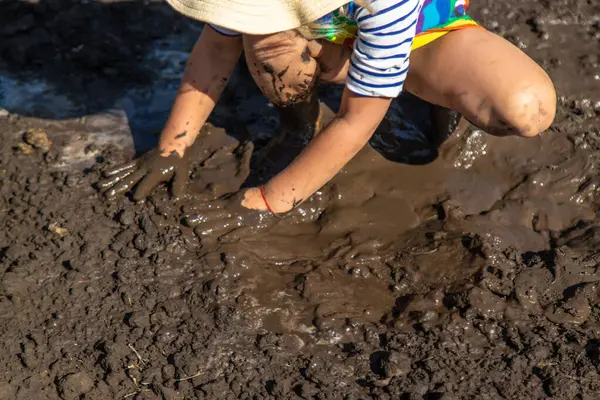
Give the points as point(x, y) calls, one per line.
point(437, 18)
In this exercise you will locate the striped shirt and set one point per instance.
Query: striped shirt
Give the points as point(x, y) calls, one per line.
point(380, 58)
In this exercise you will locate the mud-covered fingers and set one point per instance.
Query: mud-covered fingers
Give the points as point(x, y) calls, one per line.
point(193, 219)
point(203, 206)
point(208, 207)
point(217, 228)
point(229, 147)
point(147, 183)
point(125, 184)
point(216, 157)
point(198, 189)
point(363, 252)
point(237, 234)
point(120, 168)
point(205, 195)
point(244, 152)
point(225, 149)
point(179, 183)
point(111, 181)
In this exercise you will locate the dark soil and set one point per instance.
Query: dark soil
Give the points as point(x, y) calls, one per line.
point(474, 276)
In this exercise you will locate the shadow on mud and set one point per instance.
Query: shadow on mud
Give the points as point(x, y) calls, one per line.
point(65, 59)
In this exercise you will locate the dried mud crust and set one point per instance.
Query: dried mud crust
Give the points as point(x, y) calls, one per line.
point(473, 277)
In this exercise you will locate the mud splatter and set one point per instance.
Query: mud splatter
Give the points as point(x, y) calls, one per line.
point(305, 56)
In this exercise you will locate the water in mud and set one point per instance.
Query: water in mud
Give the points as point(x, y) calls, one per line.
point(464, 267)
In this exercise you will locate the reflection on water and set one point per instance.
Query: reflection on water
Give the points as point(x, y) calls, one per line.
point(475, 146)
point(145, 107)
point(34, 97)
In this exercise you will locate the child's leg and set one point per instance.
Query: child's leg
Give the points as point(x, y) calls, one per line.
point(284, 68)
point(488, 80)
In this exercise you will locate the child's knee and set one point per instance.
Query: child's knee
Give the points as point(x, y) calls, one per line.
point(274, 47)
point(531, 109)
point(281, 65)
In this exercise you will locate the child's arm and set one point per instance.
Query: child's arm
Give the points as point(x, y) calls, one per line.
point(209, 67)
point(325, 155)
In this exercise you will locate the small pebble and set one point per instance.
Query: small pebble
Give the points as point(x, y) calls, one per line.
point(57, 229)
point(126, 217)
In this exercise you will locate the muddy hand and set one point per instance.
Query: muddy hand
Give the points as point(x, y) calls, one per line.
point(233, 166)
point(144, 174)
point(220, 217)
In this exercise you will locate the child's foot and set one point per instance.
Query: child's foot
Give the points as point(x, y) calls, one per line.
point(298, 124)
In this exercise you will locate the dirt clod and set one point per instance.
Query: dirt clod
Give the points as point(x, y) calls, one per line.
point(72, 386)
point(38, 139)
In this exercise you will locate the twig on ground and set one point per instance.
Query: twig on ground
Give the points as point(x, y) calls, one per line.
point(134, 393)
point(139, 357)
point(420, 253)
point(187, 378)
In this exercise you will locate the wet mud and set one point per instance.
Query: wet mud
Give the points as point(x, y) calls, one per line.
point(461, 267)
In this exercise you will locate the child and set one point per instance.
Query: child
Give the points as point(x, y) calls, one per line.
point(376, 48)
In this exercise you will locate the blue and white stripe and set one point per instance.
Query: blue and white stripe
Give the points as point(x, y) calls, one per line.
point(380, 60)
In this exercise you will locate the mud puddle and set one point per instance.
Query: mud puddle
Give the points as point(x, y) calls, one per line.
point(130, 117)
point(471, 275)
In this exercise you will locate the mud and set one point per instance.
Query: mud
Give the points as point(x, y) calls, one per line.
point(464, 270)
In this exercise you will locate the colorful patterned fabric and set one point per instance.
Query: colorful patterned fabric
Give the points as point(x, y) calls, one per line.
point(437, 14)
point(437, 18)
point(338, 27)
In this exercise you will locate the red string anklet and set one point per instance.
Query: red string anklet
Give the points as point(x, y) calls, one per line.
point(264, 197)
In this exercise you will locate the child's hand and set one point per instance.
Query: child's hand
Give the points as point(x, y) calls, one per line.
point(146, 172)
point(245, 209)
